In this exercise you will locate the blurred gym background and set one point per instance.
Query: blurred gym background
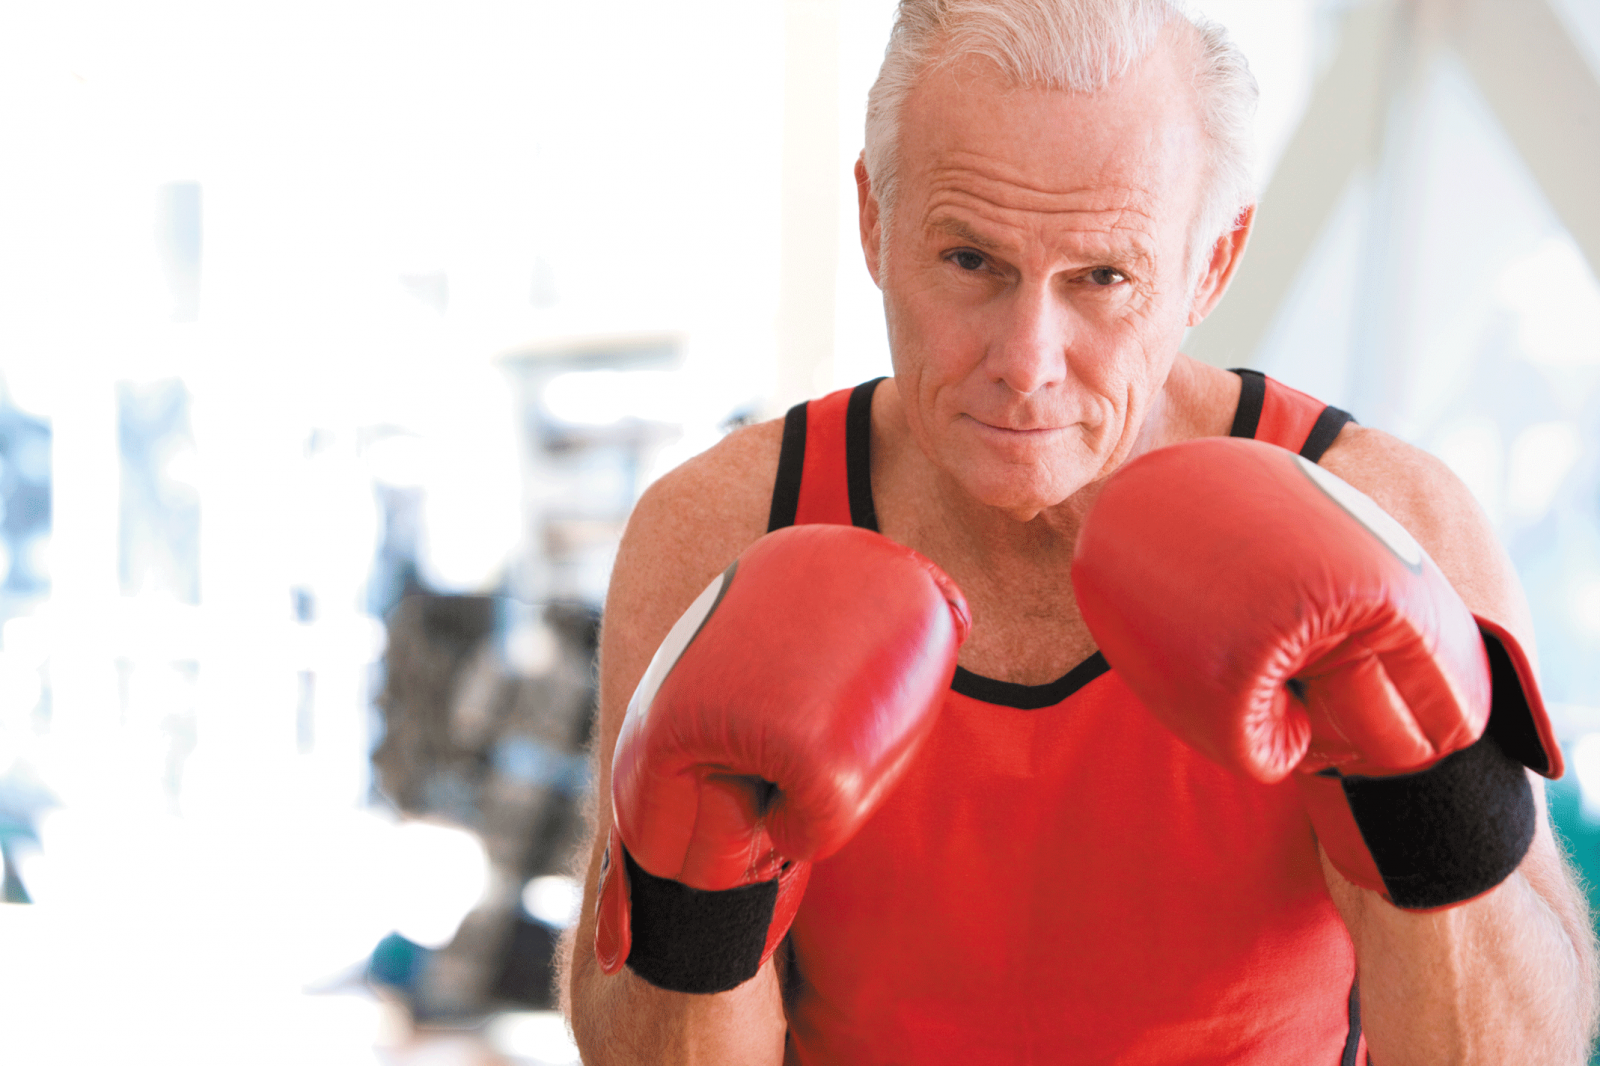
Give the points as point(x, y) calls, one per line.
point(337, 340)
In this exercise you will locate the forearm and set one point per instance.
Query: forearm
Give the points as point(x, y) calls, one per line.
point(1508, 977)
point(621, 1019)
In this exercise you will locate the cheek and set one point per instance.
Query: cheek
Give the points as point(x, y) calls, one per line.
point(928, 337)
point(1108, 363)
point(1136, 351)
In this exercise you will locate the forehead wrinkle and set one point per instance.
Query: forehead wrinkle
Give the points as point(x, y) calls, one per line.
point(971, 165)
point(1033, 197)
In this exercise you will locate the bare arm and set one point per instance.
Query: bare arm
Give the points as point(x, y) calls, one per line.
point(1510, 976)
point(683, 532)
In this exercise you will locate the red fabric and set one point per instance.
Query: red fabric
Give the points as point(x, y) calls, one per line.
point(1287, 416)
point(1070, 884)
point(825, 498)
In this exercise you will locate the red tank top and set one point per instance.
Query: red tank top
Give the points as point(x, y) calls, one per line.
point(1058, 879)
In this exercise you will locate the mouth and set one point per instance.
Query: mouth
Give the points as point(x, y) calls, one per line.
point(1021, 432)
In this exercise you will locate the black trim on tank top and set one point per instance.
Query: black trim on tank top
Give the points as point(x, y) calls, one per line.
point(1252, 393)
point(1325, 432)
point(791, 467)
point(1029, 697)
point(1352, 1043)
point(858, 455)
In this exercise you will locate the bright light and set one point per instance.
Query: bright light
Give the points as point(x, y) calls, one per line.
point(20, 688)
point(553, 900)
point(1586, 606)
point(333, 1030)
point(541, 1035)
point(184, 468)
point(1472, 449)
point(471, 524)
point(440, 874)
point(1540, 459)
point(26, 637)
point(532, 650)
point(399, 460)
point(1557, 302)
point(1586, 764)
point(695, 440)
point(37, 552)
point(601, 397)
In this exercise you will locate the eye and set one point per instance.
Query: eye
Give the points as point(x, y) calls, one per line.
point(1104, 276)
point(967, 259)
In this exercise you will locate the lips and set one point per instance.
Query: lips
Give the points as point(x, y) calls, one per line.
point(1001, 427)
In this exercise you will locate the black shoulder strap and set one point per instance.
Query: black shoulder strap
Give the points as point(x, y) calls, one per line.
point(1252, 393)
point(1324, 432)
point(858, 455)
point(791, 465)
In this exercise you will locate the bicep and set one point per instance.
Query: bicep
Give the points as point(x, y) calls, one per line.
point(1423, 495)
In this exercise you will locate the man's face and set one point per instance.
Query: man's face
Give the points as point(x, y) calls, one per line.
point(1035, 278)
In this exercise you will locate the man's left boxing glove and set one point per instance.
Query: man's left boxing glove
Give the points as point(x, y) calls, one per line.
point(1278, 621)
point(774, 719)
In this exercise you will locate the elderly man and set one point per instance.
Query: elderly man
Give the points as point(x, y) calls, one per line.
point(874, 795)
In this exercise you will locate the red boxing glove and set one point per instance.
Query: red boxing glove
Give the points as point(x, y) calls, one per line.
point(1278, 621)
point(776, 716)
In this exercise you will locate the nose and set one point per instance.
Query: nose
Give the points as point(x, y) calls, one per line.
point(1029, 350)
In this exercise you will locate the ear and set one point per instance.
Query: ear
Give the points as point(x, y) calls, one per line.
point(1225, 257)
point(867, 209)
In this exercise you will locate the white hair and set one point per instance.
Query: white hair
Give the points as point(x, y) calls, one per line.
point(1075, 46)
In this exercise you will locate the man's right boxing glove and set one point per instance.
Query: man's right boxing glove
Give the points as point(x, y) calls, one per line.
point(772, 722)
point(1279, 621)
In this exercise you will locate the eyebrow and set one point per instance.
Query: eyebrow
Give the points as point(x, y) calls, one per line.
point(1122, 255)
point(958, 229)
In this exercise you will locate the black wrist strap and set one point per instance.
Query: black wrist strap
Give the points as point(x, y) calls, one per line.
point(1449, 833)
point(1460, 827)
point(689, 940)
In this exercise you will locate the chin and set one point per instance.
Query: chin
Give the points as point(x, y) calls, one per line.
point(1022, 494)
point(1018, 477)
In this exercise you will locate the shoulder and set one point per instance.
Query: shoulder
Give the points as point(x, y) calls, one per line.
point(686, 528)
point(692, 522)
point(715, 501)
point(1436, 508)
